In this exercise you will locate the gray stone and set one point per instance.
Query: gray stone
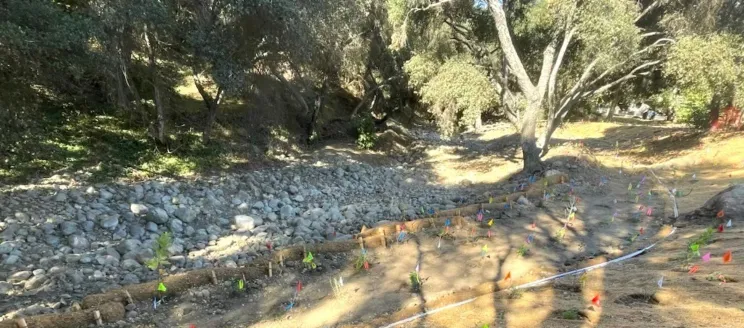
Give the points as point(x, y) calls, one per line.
point(129, 245)
point(246, 222)
point(175, 249)
point(105, 194)
point(136, 231)
point(157, 215)
point(68, 228)
point(7, 246)
point(107, 260)
point(176, 225)
point(129, 279)
point(60, 197)
point(185, 214)
point(52, 240)
point(286, 211)
point(138, 209)
point(258, 205)
point(20, 276)
point(110, 223)
point(98, 275)
point(5, 287)
point(130, 264)
point(12, 259)
point(293, 189)
point(77, 242)
point(39, 272)
point(35, 282)
point(152, 227)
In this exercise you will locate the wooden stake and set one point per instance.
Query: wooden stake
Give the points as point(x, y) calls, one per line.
point(281, 259)
point(384, 239)
point(21, 323)
point(129, 297)
point(304, 251)
point(97, 316)
point(214, 277)
point(271, 272)
point(361, 242)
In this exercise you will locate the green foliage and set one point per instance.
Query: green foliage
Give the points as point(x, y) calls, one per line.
point(571, 314)
point(693, 107)
point(704, 68)
point(160, 248)
point(367, 136)
point(415, 281)
point(309, 261)
point(457, 94)
point(523, 251)
point(607, 31)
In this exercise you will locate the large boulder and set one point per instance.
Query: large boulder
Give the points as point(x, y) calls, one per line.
point(730, 201)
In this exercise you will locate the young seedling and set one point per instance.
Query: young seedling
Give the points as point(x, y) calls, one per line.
point(160, 250)
point(361, 261)
point(523, 251)
point(415, 281)
point(309, 261)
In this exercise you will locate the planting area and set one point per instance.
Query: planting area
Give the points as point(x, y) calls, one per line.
point(462, 265)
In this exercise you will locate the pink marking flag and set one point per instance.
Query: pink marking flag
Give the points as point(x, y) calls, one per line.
point(706, 257)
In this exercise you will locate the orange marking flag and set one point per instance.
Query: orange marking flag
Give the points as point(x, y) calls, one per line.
point(694, 269)
point(720, 214)
point(508, 276)
point(595, 300)
point(727, 257)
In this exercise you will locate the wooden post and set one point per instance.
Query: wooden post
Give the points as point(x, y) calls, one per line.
point(384, 239)
point(97, 316)
point(129, 297)
point(271, 272)
point(21, 323)
point(361, 242)
point(304, 251)
point(214, 277)
point(281, 259)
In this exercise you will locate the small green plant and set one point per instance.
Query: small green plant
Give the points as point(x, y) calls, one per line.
point(240, 285)
point(361, 261)
point(415, 281)
point(523, 251)
point(632, 237)
point(571, 314)
point(515, 293)
point(160, 248)
point(367, 137)
point(309, 261)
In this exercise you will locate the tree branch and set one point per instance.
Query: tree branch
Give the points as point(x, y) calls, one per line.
point(648, 9)
point(510, 53)
point(557, 66)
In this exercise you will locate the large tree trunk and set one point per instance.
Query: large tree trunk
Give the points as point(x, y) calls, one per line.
point(155, 80)
point(530, 151)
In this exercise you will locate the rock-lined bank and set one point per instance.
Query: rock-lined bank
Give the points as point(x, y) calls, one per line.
point(60, 242)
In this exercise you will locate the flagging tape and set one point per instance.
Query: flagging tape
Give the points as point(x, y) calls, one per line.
point(535, 283)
